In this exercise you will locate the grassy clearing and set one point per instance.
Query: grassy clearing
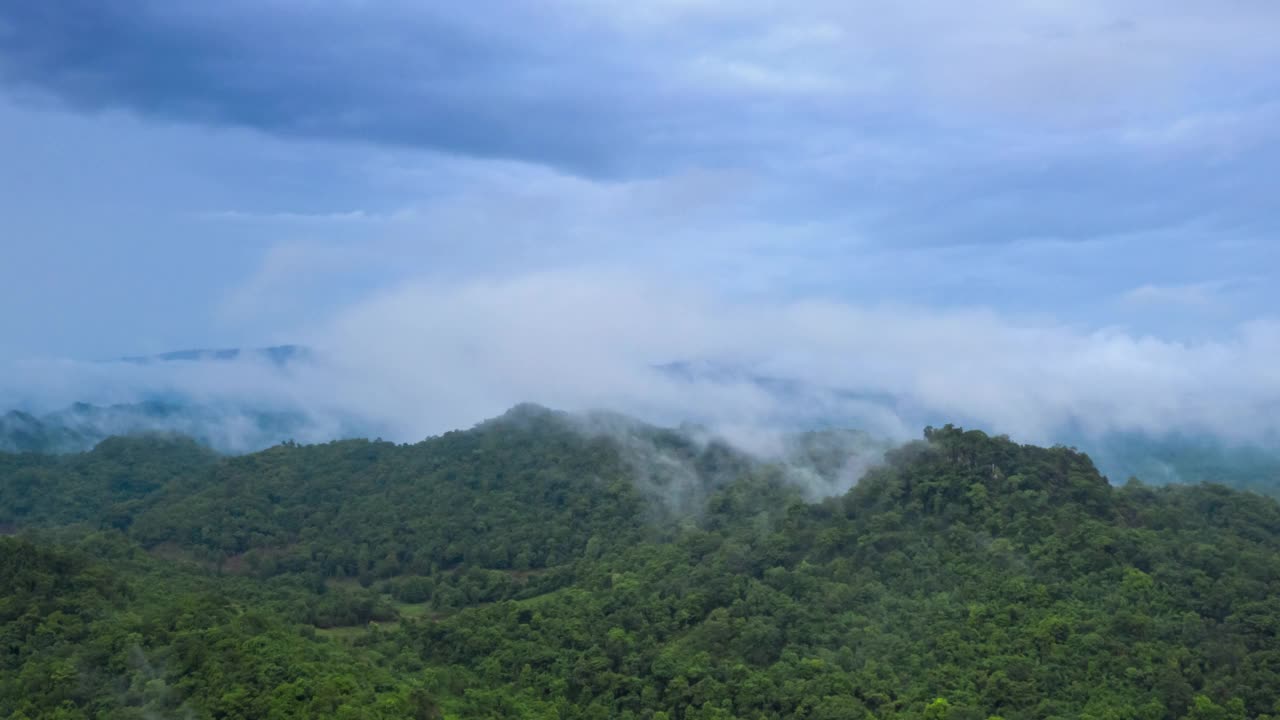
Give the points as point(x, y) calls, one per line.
point(349, 633)
point(415, 611)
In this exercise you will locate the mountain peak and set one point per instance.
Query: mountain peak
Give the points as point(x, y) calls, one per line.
point(276, 354)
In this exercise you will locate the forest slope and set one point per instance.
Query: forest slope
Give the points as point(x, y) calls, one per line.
point(538, 566)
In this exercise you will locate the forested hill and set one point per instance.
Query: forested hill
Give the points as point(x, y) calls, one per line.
point(544, 565)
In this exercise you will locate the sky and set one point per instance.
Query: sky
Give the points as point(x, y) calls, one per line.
point(1024, 215)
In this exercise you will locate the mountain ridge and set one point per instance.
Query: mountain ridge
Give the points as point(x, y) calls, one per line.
point(527, 567)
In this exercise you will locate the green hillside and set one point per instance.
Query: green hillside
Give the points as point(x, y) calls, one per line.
point(543, 565)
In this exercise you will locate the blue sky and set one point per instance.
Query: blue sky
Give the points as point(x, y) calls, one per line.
point(190, 174)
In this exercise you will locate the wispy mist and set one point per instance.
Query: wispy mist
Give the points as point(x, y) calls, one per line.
point(429, 357)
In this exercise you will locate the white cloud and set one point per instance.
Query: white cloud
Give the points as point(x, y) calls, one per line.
point(1191, 295)
point(430, 356)
point(1061, 63)
point(917, 126)
point(439, 356)
point(286, 216)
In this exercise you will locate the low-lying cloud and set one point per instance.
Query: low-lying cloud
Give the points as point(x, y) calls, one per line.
point(579, 340)
point(429, 357)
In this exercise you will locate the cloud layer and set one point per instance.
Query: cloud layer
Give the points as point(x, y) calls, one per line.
point(1034, 218)
point(424, 358)
point(640, 87)
point(581, 340)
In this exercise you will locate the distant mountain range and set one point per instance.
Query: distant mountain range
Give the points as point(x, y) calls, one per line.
point(277, 355)
point(237, 427)
point(82, 426)
point(226, 426)
point(1181, 458)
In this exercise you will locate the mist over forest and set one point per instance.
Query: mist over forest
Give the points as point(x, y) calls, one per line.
point(238, 401)
point(672, 360)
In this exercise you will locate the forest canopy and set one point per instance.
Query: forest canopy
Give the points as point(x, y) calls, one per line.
point(537, 566)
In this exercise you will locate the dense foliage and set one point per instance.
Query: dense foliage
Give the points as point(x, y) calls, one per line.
point(545, 566)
